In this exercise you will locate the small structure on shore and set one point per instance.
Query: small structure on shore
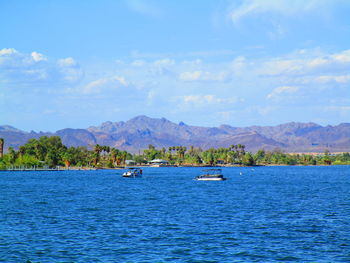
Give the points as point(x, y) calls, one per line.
point(158, 162)
point(130, 162)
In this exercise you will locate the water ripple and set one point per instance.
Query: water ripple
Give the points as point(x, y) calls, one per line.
point(281, 214)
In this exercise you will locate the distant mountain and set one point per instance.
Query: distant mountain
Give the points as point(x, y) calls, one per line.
point(137, 133)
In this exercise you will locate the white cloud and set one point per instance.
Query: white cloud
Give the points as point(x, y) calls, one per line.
point(279, 66)
point(282, 7)
point(338, 79)
point(8, 51)
point(190, 76)
point(281, 17)
point(303, 64)
point(337, 108)
point(238, 65)
point(343, 57)
point(204, 76)
point(36, 73)
point(194, 62)
point(164, 62)
point(197, 99)
point(202, 100)
point(66, 62)
point(284, 90)
point(36, 69)
point(138, 63)
point(69, 69)
point(10, 58)
point(161, 67)
point(37, 56)
point(104, 84)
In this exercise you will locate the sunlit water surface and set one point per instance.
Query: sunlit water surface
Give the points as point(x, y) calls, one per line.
point(264, 214)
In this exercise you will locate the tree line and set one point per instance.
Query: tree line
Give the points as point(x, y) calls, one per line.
point(51, 152)
point(236, 154)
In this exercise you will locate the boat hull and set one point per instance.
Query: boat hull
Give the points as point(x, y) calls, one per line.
point(131, 175)
point(210, 179)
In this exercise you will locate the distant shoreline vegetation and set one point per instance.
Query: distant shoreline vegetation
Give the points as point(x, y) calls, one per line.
point(50, 152)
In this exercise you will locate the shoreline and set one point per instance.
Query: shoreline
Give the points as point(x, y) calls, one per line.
point(165, 166)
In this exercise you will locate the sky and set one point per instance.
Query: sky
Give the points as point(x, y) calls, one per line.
point(71, 63)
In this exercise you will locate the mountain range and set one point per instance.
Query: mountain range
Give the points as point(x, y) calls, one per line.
point(136, 134)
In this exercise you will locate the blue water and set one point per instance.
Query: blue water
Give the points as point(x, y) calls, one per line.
point(265, 214)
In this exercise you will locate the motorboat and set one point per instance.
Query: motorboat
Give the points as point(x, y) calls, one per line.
point(133, 172)
point(211, 175)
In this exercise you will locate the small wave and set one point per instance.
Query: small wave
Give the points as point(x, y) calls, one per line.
point(41, 203)
point(288, 258)
point(181, 251)
point(248, 255)
point(89, 209)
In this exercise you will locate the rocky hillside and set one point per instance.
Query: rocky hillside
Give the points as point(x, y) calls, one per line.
point(137, 133)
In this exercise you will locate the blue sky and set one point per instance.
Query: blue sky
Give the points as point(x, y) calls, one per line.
point(241, 62)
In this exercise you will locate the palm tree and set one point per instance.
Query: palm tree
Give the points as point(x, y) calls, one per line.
point(123, 156)
point(114, 153)
point(191, 150)
point(1, 147)
point(243, 147)
point(12, 154)
point(67, 157)
point(97, 151)
point(21, 151)
point(180, 152)
point(107, 149)
point(183, 151)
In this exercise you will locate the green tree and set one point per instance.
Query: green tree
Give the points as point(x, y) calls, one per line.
point(12, 155)
point(248, 159)
point(97, 152)
point(259, 156)
point(114, 153)
point(152, 153)
point(27, 161)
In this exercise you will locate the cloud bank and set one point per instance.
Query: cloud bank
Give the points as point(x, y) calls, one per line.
point(223, 91)
point(36, 69)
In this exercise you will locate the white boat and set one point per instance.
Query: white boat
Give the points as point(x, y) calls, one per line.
point(133, 172)
point(211, 175)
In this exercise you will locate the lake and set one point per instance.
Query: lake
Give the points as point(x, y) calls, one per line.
point(260, 214)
